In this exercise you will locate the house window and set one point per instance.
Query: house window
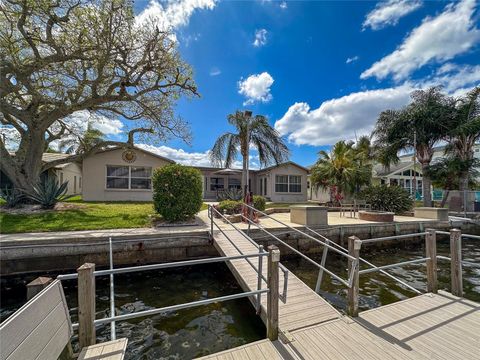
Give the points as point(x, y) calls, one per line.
point(140, 177)
point(216, 184)
point(281, 183)
point(129, 177)
point(79, 182)
point(261, 186)
point(234, 184)
point(295, 184)
point(265, 186)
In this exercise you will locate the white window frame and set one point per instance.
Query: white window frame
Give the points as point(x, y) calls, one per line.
point(288, 183)
point(129, 177)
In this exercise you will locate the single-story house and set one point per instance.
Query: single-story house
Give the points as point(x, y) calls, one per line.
point(120, 174)
point(71, 172)
point(403, 174)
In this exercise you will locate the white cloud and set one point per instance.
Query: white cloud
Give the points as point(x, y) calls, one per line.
point(437, 39)
point(256, 88)
point(214, 71)
point(455, 79)
point(283, 5)
point(339, 118)
point(10, 137)
point(192, 158)
point(260, 37)
point(351, 59)
point(389, 12)
point(172, 14)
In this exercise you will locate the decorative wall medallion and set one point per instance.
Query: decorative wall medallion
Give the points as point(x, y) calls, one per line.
point(129, 156)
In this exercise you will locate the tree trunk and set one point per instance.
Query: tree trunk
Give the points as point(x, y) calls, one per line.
point(445, 198)
point(244, 175)
point(463, 181)
point(24, 169)
point(426, 185)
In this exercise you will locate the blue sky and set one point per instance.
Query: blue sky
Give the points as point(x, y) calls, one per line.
point(320, 71)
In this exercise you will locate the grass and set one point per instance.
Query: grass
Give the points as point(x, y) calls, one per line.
point(89, 216)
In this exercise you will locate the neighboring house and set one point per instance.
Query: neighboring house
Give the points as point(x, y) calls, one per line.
point(71, 172)
point(125, 175)
point(401, 174)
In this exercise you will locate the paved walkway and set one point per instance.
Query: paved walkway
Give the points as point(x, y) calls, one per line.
point(334, 219)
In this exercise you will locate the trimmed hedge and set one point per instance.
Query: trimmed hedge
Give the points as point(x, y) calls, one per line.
point(177, 192)
point(387, 198)
point(230, 207)
point(259, 202)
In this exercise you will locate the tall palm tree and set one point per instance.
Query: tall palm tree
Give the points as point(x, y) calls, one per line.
point(464, 133)
point(418, 126)
point(83, 143)
point(252, 131)
point(340, 170)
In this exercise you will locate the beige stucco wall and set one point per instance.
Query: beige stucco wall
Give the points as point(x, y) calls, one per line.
point(72, 173)
point(94, 176)
point(286, 169)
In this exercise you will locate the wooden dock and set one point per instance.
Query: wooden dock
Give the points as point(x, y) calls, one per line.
point(303, 308)
point(431, 326)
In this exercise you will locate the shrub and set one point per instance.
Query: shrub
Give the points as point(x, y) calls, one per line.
point(230, 207)
point(387, 198)
point(231, 194)
point(177, 192)
point(12, 196)
point(48, 192)
point(259, 202)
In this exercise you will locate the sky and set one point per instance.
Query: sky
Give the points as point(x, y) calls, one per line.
point(320, 71)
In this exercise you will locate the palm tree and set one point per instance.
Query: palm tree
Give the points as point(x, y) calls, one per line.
point(252, 131)
point(340, 171)
point(418, 126)
point(83, 143)
point(464, 133)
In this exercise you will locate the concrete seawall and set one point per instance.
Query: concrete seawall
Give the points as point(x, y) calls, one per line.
point(38, 255)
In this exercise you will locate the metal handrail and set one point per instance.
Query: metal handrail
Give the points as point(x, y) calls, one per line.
point(164, 265)
point(345, 282)
point(364, 261)
point(284, 270)
point(394, 237)
point(469, 263)
point(174, 307)
point(409, 262)
point(299, 231)
point(470, 236)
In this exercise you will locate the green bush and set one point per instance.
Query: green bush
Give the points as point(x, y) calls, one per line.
point(230, 207)
point(259, 202)
point(387, 198)
point(177, 192)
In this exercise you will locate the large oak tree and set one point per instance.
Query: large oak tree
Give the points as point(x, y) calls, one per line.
point(58, 57)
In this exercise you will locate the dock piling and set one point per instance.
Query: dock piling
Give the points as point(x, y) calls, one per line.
point(86, 305)
point(456, 262)
point(431, 254)
point(354, 245)
point(273, 294)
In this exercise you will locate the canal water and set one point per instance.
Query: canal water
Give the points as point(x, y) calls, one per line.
point(183, 334)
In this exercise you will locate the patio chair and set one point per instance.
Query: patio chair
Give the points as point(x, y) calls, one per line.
point(361, 204)
point(41, 329)
point(344, 207)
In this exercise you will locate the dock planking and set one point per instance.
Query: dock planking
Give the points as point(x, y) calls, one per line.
point(303, 308)
point(431, 326)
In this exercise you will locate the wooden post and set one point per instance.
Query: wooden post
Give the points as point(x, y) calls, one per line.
point(431, 253)
point(37, 285)
point(86, 305)
point(272, 295)
point(354, 245)
point(456, 262)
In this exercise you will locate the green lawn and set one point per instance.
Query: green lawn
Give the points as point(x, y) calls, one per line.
point(90, 216)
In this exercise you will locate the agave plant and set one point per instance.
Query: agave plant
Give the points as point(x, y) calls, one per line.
point(230, 194)
point(12, 196)
point(49, 192)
